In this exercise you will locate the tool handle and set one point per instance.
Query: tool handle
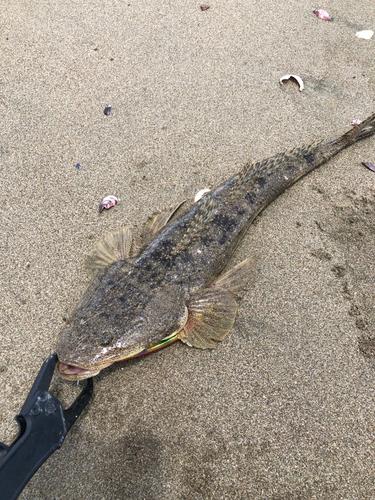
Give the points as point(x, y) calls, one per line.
point(42, 427)
point(42, 431)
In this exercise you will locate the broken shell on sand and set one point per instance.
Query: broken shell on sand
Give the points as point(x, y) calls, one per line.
point(295, 77)
point(107, 110)
point(108, 202)
point(369, 165)
point(366, 34)
point(322, 14)
point(201, 193)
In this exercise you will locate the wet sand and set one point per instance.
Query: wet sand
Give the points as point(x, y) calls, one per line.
point(284, 407)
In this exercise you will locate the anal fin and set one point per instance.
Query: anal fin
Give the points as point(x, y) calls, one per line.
point(240, 277)
point(211, 314)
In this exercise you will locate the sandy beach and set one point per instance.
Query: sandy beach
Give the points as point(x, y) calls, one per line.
point(284, 408)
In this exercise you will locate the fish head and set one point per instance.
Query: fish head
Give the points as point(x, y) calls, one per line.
point(115, 323)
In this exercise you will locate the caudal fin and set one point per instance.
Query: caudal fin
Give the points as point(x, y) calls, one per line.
point(361, 131)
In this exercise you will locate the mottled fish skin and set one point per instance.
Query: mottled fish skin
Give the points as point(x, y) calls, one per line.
point(174, 287)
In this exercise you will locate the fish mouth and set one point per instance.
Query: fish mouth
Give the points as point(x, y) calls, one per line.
point(75, 372)
point(72, 372)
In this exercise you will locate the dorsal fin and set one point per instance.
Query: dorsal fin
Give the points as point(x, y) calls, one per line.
point(157, 222)
point(113, 247)
point(252, 173)
point(200, 221)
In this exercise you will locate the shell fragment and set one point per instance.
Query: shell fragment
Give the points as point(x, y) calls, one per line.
point(366, 34)
point(108, 202)
point(355, 123)
point(295, 77)
point(322, 14)
point(201, 193)
point(371, 166)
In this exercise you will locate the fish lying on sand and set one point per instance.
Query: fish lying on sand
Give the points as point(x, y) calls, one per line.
point(175, 287)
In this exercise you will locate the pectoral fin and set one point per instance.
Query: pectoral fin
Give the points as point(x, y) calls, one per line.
point(211, 314)
point(113, 247)
point(157, 222)
point(211, 311)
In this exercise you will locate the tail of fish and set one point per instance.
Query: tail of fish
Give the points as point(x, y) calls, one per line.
point(361, 131)
point(240, 199)
point(261, 182)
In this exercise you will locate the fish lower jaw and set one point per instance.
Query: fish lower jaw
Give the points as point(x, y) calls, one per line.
point(71, 372)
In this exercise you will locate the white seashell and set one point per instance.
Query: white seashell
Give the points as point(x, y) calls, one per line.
point(366, 34)
point(296, 77)
point(107, 202)
point(355, 123)
point(201, 193)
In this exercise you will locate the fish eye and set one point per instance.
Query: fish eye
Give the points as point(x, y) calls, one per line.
point(106, 340)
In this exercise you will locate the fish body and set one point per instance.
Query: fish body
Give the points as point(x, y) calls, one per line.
point(176, 287)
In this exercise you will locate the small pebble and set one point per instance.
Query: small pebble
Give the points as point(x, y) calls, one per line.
point(107, 110)
point(204, 6)
point(78, 166)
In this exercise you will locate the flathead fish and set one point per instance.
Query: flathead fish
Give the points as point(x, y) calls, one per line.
point(176, 286)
